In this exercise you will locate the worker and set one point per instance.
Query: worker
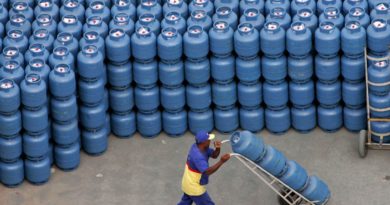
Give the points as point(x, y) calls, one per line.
point(197, 170)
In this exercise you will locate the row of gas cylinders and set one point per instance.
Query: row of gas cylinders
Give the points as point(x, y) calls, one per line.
point(274, 162)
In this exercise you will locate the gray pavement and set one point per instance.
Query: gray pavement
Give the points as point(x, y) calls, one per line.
point(140, 171)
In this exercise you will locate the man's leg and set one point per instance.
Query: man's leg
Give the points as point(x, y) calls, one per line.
point(203, 199)
point(185, 200)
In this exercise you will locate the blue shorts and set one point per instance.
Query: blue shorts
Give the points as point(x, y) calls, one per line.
point(203, 199)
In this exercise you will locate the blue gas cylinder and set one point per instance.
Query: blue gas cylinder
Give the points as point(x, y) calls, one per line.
point(225, 13)
point(278, 121)
point(358, 14)
point(150, 21)
point(96, 23)
point(35, 146)
point(200, 18)
point(353, 39)
point(378, 36)
point(50, 153)
point(249, 94)
point(300, 69)
point(201, 121)
point(37, 171)
point(174, 20)
point(11, 148)
point(71, 24)
point(205, 5)
point(380, 128)
point(378, 102)
point(38, 66)
point(90, 63)
point(195, 42)
point(298, 39)
point(124, 6)
point(308, 17)
point(297, 5)
point(33, 91)
point(280, 16)
point(316, 190)
point(11, 70)
point(274, 69)
point(174, 123)
point(246, 41)
point(123, 125)
point(67, 40)
point(36, 51)
point(147, 99)
point(333, 15)
point(92, 118)
point(252, 119)
point(296, 176)
point(107, 3)
point(348, 4)
point(226, 120)
point(248, 70)
point(67, 158)
point(3, 12)
point(304, 119)
point(355, 119)
point(198, 97)
point(179, 6)
point(121, 101)
point(143, 44)
point(62, 81)
point(301, 94)
point(173, 99)
point(197, 72)
point(221, 39)
point(248, 145)
point(328, 94)
point(269, 5)
point(379, 72)
point(352, 69)
point(381, 11)
point(272, 39)
point(94, 142)
point(323, 4)
point(9, 96)
point(17, 39)
point(327, 69)
point(11, 53)
point(21, 7)
point(275, 95)
point(274, 161)
point(65, 133)
point(233, 5)
point(61, 55)
point(11, 124)
point(330, 119)
point(254, 17)
point(98, 8)
point(12, 174)
point(222, 68)
point(224, 95)
point(327, 39)
point(122, 21)
point(47, 7)
point(18, 22)
point(354, 94)
point(93, 38)
point(249, 4)
point(145, 74)
point(150, 6)
point(73, 7)
point(169, 45)
point(171, 75)
point(35, 121)
point(91, 92)
point(119, 76)
point(149, 124)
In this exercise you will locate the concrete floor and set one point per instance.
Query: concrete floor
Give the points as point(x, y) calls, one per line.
point(140, 171)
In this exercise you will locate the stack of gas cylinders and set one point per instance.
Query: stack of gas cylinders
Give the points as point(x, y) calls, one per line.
point(274, 162)
point(122, 66)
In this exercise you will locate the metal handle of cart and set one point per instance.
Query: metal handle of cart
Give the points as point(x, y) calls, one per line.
point(289, 195)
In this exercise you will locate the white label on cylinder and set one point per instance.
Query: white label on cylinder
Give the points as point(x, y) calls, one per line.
point(6, 85)
point(11, 52)
point(381, 64)
point(174, 2)
point(378, 24)
point(69, 20)
point(45, 4)
point(298, 27)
